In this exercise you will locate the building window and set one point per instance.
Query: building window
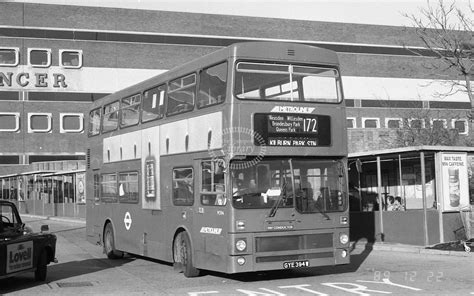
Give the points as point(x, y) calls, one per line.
point(94, 122)
point(370, 122)
point(153, 106)
point(351, 122)
point(183, 187)
point(461, 125)
point(111, 114)
point(181, 94)
point(213, 184)
point(212, 85)
point(39, 57)
point(39, 122)
point(416, 123)
point(9, 57)
point(128, 187)
point(71, 59)
point(393, 123)
point(9, 122)
point(108, 188)
point(130, 110)
point(71, 122)
point(438, 123)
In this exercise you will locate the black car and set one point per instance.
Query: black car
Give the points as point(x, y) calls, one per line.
point(21, 250)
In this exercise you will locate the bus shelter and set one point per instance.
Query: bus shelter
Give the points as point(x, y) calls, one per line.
point(410, 195)
point(47, 189)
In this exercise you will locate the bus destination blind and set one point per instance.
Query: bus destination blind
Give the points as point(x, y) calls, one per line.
point(292, 130)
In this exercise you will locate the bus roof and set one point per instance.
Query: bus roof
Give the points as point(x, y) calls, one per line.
point(281, 51)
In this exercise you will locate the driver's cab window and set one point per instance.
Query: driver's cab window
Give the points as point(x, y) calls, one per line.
point(213, 183)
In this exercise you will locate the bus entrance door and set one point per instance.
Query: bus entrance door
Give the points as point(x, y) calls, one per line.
point(211, 241)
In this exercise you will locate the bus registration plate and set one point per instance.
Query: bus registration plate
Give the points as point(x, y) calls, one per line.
point(296, 264)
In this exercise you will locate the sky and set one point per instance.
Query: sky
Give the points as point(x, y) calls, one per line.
point(379, 12)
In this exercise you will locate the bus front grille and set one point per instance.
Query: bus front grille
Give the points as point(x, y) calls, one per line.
point(267, 259)
point(293, 242)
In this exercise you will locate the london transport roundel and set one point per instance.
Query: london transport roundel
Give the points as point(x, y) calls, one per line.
point(127, 220)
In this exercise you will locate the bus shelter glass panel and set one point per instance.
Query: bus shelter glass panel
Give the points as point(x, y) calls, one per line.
point(311, 186)
point(285, 82)
point(69, 188)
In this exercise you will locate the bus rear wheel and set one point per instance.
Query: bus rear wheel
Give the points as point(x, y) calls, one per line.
point(109, 243)
point(183, 255)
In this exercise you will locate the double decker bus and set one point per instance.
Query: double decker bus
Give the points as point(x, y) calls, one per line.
point(234, 162)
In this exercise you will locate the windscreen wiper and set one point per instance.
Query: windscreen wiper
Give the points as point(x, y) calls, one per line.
point(321, 211)
point(275, 206)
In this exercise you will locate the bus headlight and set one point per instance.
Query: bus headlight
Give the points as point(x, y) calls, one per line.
point(343, 238)
point(241, 245)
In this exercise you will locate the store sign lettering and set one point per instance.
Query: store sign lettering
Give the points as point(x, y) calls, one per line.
point(19, 256)
point(23, 79)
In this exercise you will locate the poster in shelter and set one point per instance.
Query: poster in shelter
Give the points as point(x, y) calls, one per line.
point(455, 193)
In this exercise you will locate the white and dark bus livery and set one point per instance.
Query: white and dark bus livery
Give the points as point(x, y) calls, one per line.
point(234, 162)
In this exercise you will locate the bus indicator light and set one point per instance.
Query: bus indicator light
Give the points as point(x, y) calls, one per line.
point(240, 224)
point(344, 220)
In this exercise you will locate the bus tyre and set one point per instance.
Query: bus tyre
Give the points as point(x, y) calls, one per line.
point(109, 243)
point(42, 267)
point(183, 255)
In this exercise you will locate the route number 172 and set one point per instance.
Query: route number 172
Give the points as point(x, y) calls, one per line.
point(310, 125)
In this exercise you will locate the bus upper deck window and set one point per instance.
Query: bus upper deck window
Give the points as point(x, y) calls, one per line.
point(111, 114)
point(94, 122)
point(129, 110)
point(153, 106)
point(181, 94)
point(9, 57)
point(286, 82)
point(212, 85)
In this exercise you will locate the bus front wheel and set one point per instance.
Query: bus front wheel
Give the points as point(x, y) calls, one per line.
point(183, 255)
point(109, 243)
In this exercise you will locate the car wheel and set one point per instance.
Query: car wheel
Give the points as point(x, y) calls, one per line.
point(109, 243)
point(183, 254)
point(42, 267)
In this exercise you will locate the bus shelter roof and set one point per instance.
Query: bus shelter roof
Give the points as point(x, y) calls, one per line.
point(24, 174)
point(409, 150)
point(49, 174)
